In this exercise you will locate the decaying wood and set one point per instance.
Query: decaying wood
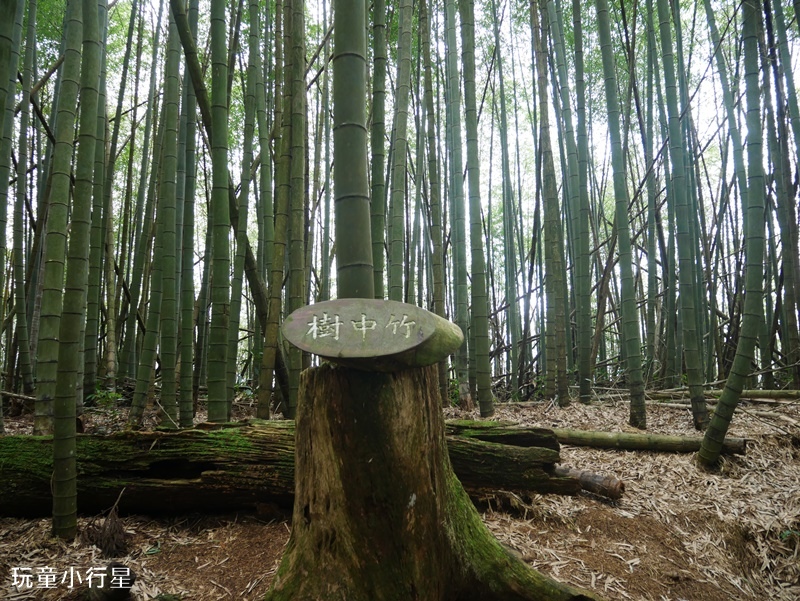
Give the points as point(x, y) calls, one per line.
point(251, 465)
point(378, 513)
point(234, 468)
point(507, 432)
point(606, 486)
point(483, 466)
point(642, 442)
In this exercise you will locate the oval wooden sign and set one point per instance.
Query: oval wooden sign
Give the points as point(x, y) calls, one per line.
point(372, 334)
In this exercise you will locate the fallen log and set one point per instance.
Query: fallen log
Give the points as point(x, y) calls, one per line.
point(606, 486)
point(643, 442)
point(755, 395)
point(512, 434)
point(242, 467)
point(483, 466)
point(507, 433)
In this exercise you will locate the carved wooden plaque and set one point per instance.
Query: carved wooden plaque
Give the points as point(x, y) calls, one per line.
point(372, 334)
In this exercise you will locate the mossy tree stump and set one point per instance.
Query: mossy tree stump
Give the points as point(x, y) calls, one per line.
point(378, 512)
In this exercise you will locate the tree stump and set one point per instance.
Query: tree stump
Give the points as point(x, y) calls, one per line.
point(378, 512)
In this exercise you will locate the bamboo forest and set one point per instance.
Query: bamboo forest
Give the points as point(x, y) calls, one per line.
point(438, 300)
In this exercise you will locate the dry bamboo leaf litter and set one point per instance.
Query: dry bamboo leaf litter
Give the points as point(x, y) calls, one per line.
point(677, 533)
point(733, 534)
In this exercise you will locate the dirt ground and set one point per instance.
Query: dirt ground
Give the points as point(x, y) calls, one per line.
point(678, 533)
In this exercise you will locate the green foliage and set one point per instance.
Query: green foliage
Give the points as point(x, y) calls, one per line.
point(790, 535)
point(244, 392)
point(49, 29)
point(117, 36)
point(452, 392)
point(104, 398)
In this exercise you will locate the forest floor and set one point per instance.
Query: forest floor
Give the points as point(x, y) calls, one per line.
point(678, 533)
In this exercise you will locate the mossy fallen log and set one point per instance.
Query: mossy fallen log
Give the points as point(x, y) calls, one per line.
point(509, 433)
point(247, 466)
point(630, 441)
point(238, 467)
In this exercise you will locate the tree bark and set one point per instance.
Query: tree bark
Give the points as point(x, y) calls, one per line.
point(503, 433)
point(378, 512)
point(643, 442)
point(251, 467)
point(510, 434)
point(244, 468)
point(607, 486)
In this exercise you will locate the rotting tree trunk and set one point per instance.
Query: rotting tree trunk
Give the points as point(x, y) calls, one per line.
point(509, 433)
point(506, 433)
point(643, 442)
point(606, 486)
point(375, 434)
point(245, 468)
point(249, 467)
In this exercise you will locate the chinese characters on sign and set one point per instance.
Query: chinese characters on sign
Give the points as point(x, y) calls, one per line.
point(327, 326)
point(405, 323)
point(25, 578)
point(372, 334)
point(324, 327)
